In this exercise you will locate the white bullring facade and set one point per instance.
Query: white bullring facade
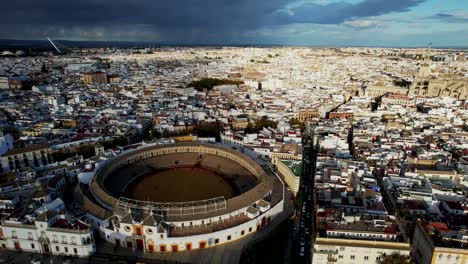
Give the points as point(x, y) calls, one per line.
point(150, 226)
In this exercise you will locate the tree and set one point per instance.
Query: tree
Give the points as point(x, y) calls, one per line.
point(8, 177)
point(87, 151)
point(154, 133)
point(44, 68)
point(211, 129)
point(209, 83)
point(260, 124)
point(62, 155)
point(109, 144)
point(250, 128)
point(396, 258)
point(296, 122)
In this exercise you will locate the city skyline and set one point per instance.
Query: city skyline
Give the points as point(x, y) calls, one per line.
point(279, 22)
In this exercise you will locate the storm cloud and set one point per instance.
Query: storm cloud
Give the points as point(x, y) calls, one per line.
point(176, 20)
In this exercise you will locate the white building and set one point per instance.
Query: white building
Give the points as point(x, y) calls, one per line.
point(49, 233)
point(6, 143)
point(347, 251)
point(31, 156)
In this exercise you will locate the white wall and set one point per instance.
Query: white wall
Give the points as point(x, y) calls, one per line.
point(209, 238)
point(349, 254)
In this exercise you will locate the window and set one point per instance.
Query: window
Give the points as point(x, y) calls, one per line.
point(229, 237)
point(75, 250)
point(64, 239)
point(57, 248)
point(250, 229)
point(13, 234)
point(162, 236)
point(149, 231)
point(242, 232)
point(217, 241)
point(66, 249)
point(340, 256)
point(30, 236)
point(138, 231)
point(352, 256)
point(32, 245)
point(366, 257)
point(127, 228)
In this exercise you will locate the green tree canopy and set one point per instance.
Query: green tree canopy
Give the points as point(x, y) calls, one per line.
point(396, 258)
point(296, 122)
point(260, 124)
point(209, 83)
point(211, 129)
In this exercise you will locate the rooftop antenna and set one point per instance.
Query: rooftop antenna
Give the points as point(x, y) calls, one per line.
point(53, 44)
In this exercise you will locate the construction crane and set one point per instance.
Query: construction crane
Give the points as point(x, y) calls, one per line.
point(53, 44)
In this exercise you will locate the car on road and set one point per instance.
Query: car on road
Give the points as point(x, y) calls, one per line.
point(302, 252)
point(302, 241)
point(36, 261)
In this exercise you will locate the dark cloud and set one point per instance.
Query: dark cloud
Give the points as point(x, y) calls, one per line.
point(337, 13)
point(451, 18)
point(184, 20)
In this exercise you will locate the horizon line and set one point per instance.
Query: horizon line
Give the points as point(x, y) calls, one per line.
point(168, 43)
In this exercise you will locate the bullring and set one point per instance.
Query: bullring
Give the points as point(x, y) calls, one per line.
point(185, 196)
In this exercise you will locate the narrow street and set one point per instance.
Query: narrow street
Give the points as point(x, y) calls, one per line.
point(304, 227)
